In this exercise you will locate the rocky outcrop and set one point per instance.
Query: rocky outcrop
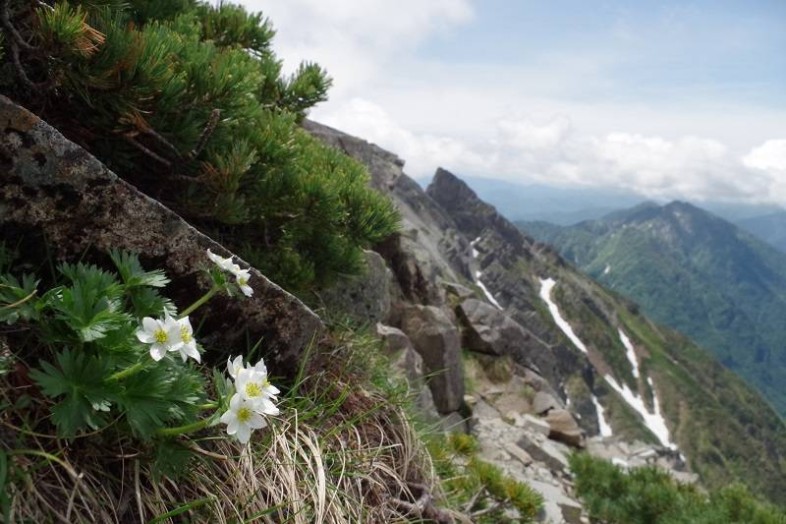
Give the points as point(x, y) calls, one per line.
point(51, 188)
point(486, 329)
point(429, 249)
point(365, 298)
point(436, 339)
point(406, 361)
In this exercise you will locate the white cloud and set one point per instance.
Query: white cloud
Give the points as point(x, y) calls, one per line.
point(421, 152)
point(356, 40)
point(552, 151)
point(770, 155)
point(527, 122)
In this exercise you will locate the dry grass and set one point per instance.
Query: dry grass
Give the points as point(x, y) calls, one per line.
point(340, 452)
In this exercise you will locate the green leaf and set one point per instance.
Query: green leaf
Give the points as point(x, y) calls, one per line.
point(79, 378)
point(132, 273)
point(161, 395)
point(90, 306)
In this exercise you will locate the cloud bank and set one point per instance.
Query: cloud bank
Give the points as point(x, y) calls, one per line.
point(498, 120)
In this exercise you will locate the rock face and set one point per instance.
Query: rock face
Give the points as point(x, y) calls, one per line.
point(436, 339)
point(365, 298)
point(49, 187)
point(429, 249)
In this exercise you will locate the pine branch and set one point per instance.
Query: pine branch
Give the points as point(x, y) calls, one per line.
point(148, 152)
point(5, 18)
point(15, 42)
point(207, 132)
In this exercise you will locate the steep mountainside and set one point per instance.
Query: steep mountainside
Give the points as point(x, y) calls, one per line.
point(457, 262)
point(697, 273)
point(770, 228)
point(628, 361)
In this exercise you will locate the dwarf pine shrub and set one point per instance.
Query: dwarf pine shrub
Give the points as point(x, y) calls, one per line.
point(188, 101)
point(650, 495)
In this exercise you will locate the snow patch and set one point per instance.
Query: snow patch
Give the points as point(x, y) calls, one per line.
point(478, 274)
point(546, 285)
point(475, 252)
point(485, 290)
point(630, 353)
point(654, 421)
point(605, 428)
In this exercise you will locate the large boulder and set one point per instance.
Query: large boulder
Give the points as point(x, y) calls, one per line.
point(489, 330)
point(564, 428)
point(486, 329)
point(436, 338)
point(364, 298)
point(408, 363)
point(51, 188)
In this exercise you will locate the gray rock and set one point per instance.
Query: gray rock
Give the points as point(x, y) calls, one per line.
point(455, 423)
point(546, 452)
point(554, 503)
point(52, 188)
point(486, 329)
point(436, 339)
point(409, 364)
point(459, 291)
point(364, 298)
point(429, 249)
point(544, 402)
point(535, 425)
point(564, 428)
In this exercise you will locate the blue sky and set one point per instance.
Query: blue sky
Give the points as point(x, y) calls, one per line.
point(668, 99)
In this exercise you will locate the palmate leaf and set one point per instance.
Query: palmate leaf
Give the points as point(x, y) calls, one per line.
point(79, 378)
point(91, 306)
point(133, 274)
point(160, 396)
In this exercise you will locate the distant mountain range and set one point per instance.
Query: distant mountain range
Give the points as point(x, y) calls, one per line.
point(568, 206)
point(770, 228)
point(696, 272)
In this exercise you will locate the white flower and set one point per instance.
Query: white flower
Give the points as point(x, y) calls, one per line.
point(242, 276)
point(225, 264)
point(255, 387)
point(186, 334)
point(241, 419)
point(234, 366)
point(164, 335)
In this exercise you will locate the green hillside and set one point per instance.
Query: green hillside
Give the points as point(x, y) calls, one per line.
point(695, 272)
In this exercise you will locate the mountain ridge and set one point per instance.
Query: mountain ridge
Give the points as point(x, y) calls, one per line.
point(695, 272)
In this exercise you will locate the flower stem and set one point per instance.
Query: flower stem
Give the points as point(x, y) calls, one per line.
point(136, 368)
point(182, 430)
point(200, 302)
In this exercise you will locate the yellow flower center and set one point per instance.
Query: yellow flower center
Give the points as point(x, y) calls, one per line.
point(244, 414)
point(253, 389)
point(185, 334)
point(242, 281)
point(161, 336)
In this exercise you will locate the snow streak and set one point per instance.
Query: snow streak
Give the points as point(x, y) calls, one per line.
point(479, 274)
point(654, 420)
point(546, 285)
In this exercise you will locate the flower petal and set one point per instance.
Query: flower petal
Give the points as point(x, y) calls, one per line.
point(157, 352)
point(243, 434)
